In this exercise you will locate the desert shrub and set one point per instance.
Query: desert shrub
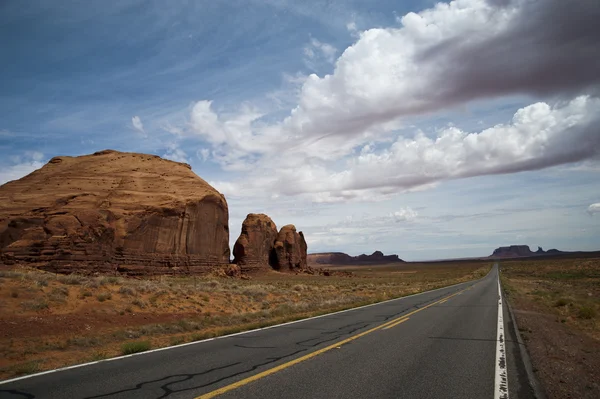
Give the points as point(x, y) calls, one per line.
point(103, 296)
point(300, 287)
point(561, 302)
point(201, 336)
point(60, 291)
point(148, 286)
point(135, 347)
point(26, 368)
point(39, 304)
point(84, 294)
point(154, 298)
point(72, 279)
point(255, 291)
point(41, 281)
point(98, 355)
point(140, 303)
point(93, 283)
point(112, 280)
point(127, 291)
point(586, 312)
point(10, 274)
point(177, 340)
point(59, 294)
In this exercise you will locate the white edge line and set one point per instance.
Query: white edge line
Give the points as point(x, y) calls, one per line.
point(225, 336)
point(501, 376)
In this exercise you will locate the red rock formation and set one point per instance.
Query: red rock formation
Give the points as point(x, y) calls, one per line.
point(253, 248)
point(290, 249)
point(114, 211)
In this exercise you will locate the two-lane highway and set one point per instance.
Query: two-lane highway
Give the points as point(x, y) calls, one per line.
point(438, 344)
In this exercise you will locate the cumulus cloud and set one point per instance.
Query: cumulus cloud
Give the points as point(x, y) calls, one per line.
point(441, 57)
point(138, 125)
point(538, 136)
point(594, 208)
point(450, 54)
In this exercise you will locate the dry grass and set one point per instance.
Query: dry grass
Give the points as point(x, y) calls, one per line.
point(75, 318)
point(566, 288)
point(556, 305)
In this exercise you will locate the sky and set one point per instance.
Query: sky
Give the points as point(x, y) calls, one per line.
point(430, 130)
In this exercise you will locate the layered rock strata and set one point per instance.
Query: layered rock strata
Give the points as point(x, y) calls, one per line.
point(114, 212)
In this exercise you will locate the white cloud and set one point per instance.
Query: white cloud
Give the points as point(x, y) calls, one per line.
point(403, 215)
point(317, 51)
point(594, 208)
point(22, 165)
point(203, 154)
point(138, 125)
point(420, 66)
point(174, 153)
point(538, 136)
point(340, 141)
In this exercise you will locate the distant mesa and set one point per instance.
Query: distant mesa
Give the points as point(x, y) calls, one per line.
point(114, 212)
point(520, 251)
point(512, 251)
point(261, 247)
point(340, 258)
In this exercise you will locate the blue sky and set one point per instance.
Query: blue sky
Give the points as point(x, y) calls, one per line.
point(414, 128)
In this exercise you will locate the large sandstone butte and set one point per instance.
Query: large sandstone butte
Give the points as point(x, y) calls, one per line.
point(114, 211)
point(253, 249)
point(261, 247)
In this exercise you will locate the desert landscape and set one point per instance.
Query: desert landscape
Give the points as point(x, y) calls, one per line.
point(117, 253)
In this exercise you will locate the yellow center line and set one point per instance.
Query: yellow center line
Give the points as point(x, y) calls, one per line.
point(442, 301)
point(395, 324)
point(283, 366)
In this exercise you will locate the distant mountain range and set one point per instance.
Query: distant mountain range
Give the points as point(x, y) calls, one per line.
point(340, 258)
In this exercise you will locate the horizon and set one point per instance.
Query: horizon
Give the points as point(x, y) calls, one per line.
point(413, 129)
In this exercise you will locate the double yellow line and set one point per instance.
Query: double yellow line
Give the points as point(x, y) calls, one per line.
point(337, 345)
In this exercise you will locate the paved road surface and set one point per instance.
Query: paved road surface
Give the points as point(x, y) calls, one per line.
point(439, 344)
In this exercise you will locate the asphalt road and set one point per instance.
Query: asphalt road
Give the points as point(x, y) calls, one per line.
point(439, 344)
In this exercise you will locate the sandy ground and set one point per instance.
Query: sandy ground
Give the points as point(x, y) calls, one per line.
point(557, 305)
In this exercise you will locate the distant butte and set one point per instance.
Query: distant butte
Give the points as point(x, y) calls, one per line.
point(523, 251)
point(340, 258)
